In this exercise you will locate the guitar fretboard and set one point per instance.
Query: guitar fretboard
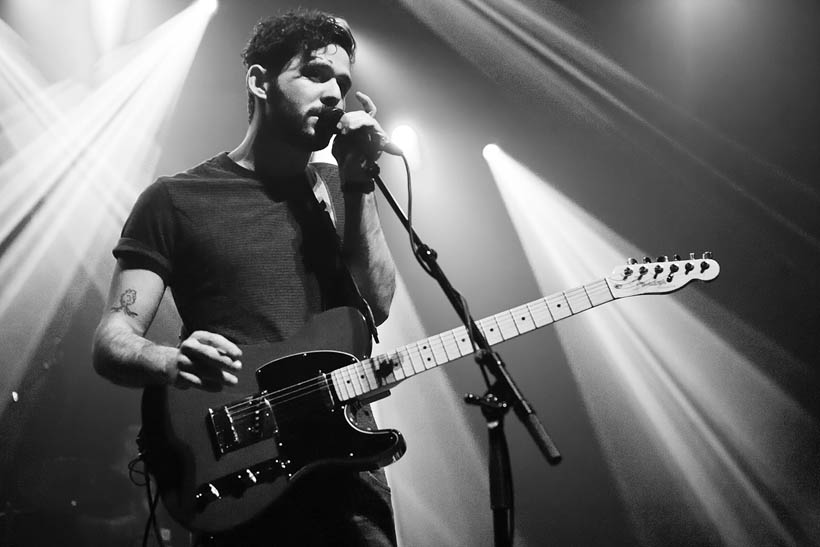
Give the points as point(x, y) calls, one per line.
point(385, 371)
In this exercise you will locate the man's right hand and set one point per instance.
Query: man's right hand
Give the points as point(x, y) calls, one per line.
point(205, 360)
point(123, 355)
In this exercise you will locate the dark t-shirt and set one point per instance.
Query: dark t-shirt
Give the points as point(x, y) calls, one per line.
point(233, 248)
point(253, 260)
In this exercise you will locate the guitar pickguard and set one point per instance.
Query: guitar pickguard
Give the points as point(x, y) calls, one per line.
point(221, 459)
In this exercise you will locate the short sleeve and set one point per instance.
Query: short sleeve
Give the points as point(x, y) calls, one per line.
point(148, 236)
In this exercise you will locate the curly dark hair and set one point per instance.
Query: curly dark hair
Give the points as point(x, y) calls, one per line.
point(276, 39)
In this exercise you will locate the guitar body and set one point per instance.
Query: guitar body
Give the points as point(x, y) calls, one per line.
point(216, 472)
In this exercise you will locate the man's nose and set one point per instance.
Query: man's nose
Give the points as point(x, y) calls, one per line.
point(331, 93)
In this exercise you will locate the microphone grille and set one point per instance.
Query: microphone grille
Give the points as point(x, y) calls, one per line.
point(331, 116)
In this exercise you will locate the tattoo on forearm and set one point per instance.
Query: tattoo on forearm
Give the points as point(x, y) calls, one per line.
point(126, 299)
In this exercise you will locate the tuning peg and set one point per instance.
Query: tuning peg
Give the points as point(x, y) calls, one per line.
point(661, 258)
point(691, 256)
point(707, 255)
point(647, 260)
point(676, 257)
point(631, 261)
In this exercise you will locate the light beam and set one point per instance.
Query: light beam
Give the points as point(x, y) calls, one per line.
point(83, 168)
point(686, 419)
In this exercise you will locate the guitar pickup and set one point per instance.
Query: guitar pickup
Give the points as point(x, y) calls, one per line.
point(241, 424)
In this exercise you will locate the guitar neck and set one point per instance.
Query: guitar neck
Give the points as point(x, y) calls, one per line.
point(377, 374)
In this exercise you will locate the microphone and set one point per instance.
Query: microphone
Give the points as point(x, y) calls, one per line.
point(371, 140)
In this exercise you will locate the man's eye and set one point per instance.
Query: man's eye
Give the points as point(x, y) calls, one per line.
point(314, 74)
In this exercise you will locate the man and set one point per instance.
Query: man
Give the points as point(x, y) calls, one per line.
point(248, 258)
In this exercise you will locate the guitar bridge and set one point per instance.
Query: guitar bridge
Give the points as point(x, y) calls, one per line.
point(241, 424)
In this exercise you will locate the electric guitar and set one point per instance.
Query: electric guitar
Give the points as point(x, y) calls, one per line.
point(220, 459)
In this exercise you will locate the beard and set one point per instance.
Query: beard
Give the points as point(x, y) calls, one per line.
point(292, 126)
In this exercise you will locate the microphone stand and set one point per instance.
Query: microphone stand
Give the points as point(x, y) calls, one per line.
point(501, 395)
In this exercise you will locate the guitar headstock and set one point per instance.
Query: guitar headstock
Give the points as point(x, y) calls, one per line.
point(662, 275)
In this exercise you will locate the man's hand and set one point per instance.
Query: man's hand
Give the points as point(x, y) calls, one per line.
point(350, 147)
point(206, 361)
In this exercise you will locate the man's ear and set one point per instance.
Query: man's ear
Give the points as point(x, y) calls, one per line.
point(257, 81)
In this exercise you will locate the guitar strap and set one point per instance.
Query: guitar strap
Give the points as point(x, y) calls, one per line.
point(322, 251)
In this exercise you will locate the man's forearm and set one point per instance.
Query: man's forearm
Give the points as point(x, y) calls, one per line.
point(127, 359)
point(367, 254)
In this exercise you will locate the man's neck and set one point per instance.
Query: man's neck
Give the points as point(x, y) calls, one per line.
point(268, 156)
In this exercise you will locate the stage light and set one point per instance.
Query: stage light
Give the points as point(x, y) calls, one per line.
point(405, 137)
point(490, 152)
point(408, 140)
point(67, 190)
point(680, 413)
point(548, 55)
point(211, 6)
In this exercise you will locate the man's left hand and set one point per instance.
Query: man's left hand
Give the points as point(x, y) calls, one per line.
point(351, 148)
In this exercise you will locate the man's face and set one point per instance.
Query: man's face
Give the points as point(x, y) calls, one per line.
point(306, 86)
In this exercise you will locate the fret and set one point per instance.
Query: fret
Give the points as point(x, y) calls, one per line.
point(355, 381)
point(415, 352)
point(506, 325)
point(558, 306)
point(415, 359)
point(358, 373)
point(395, 368)
point(450, 345)
point(370, 375)
point(339, 385)
point(439, 351)
point(381, 370)
point(523, 319)
point(465, 346)
point(348, 377)
point(348, 382)
point(599, 293)
point(406, 366)
point(578, 300)
point(407, 362)
point(426, 354)
point(489, 328)
point(541, 315)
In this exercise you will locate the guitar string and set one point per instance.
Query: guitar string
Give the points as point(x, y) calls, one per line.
point(314, 385)
point(286, 394)
point(290, 393)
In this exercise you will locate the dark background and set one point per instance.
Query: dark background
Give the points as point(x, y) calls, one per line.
point(720, 151)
